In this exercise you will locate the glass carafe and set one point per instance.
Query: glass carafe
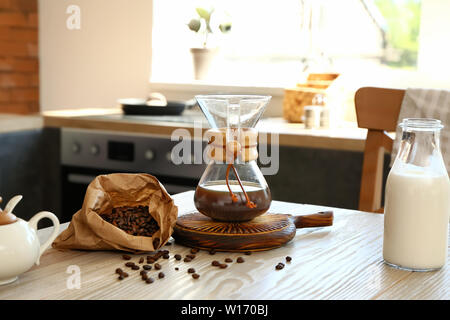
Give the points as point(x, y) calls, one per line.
point(417, 201)
point(232, 188)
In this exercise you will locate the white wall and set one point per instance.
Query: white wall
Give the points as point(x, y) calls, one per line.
point(108, 58)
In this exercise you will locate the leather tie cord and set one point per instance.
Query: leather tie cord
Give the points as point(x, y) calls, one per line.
point(245, 148)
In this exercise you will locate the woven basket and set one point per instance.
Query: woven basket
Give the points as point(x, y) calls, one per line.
point(322, 76)
point(295, 99)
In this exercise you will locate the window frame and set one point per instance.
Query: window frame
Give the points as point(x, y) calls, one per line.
point(408, 78)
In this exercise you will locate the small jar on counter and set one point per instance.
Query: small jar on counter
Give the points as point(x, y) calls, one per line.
point(312, 117)
point(317, 115)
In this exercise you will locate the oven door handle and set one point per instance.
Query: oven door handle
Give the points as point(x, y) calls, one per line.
point(80, 178)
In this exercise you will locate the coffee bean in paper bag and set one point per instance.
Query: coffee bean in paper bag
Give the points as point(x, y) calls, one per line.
point(98, 225)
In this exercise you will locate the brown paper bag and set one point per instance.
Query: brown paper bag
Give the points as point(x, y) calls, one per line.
point(89, 231)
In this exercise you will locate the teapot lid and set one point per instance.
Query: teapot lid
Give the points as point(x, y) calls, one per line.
point(6, 216)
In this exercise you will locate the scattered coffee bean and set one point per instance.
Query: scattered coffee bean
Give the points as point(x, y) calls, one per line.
point(162, 252)
point(156, 256)
point(279, 266)
point(189, 257)
point(168, 243)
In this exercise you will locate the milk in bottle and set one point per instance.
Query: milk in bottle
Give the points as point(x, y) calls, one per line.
point(417, 201)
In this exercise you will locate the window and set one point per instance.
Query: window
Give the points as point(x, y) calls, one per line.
point(272, 43)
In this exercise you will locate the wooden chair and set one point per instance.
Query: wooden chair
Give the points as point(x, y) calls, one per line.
point(377, 109)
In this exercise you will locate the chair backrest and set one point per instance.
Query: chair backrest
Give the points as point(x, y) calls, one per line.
point(377, 109)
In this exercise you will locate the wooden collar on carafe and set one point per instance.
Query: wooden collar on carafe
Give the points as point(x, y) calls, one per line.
point(244, 149)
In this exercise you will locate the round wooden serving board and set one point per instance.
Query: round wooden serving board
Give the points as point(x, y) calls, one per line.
point(265, 232)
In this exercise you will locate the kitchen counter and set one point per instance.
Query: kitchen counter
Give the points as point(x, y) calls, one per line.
point(15, 122)
point(347, 137)
point(343, 261)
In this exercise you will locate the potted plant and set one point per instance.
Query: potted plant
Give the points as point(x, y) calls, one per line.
point(203, 26)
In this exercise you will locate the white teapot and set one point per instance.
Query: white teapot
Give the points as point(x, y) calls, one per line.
point(19, 244)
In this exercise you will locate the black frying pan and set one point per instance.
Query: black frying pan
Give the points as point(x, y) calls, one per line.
point(156, 105)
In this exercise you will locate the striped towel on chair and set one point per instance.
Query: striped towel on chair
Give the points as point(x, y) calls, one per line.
point(426, 103)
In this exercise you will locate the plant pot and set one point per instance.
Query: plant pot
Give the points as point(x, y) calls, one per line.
point(202, 60)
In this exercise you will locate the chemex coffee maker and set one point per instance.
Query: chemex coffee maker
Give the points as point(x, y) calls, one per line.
point(232, 197)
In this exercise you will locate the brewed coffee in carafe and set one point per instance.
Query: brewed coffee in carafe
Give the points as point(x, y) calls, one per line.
point(232, 188)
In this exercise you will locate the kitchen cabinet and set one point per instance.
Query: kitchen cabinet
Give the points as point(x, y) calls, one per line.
point(319, 176)
point(30, 166)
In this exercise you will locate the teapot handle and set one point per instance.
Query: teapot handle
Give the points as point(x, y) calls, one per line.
point(33, 224)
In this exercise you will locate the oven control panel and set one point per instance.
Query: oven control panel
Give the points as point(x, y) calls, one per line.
point(128, 152)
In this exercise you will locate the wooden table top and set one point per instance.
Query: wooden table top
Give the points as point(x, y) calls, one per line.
point(339, 262)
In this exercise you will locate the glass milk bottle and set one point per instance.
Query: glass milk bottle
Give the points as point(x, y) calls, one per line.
point(417, 200)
